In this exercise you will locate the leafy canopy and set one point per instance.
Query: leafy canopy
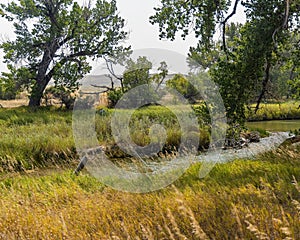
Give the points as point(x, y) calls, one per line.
point(55, 38)
point(241, 63)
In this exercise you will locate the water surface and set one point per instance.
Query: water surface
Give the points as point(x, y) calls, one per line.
point(276, 125)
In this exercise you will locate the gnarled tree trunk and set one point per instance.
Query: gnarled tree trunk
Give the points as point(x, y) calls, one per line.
point(44, 75)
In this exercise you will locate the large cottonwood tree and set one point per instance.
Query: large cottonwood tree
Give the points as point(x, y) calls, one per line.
point(243, 63)
point(55, 39)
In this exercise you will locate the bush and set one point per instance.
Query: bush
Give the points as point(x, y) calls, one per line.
point(113, 97)
point(65, 96)
point(7, 90)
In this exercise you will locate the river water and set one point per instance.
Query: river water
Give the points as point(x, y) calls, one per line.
point(276, 125)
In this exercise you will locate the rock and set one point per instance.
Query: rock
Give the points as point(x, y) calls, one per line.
point(88, 153)
point(296, 144)
point(252, 137)
point(294, 140)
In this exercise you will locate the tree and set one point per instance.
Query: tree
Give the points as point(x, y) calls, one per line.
point(247, 53)
point(136, 73)
point(55, 38)
point(11, 83)
point(7, 89)
point(293, 65)
point(184, 87)
point(199, 17)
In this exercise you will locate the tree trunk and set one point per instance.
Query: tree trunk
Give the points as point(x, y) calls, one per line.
point(265, 85)
point(43, 78)
point(37, 93)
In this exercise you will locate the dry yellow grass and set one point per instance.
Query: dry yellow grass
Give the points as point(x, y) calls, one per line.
point(238, 200)
point(14, 103)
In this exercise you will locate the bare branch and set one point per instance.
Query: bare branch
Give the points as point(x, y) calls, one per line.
point(110, 68)
point(285, 20)
point(107, 89)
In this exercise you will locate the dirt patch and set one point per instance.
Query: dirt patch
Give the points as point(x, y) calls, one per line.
point(14, 103)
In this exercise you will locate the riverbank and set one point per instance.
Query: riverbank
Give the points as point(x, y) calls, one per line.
point(43, 137)
point(275, 111)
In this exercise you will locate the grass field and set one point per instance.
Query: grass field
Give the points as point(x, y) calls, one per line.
point(42, 199)
point(275, 111)
point(32, 138)
point(238, 200)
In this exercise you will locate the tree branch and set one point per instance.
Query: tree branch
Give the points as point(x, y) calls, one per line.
point(112, 73)
point(285, 20)
point(225, 21)
point(87, 52)
point(265, 85)
point(107, 89)
point(52, 11)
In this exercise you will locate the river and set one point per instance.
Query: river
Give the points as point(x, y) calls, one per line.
point(275, 125)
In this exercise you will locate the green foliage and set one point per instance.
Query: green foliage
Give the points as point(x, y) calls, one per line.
point(7, 89)
point(173, 16)
point(296, 86)
point(64, 35)
point(242, 63)
point(293, 63)
point(114, 96)
point(202, 112)
point(245, 73)
point(137, 73)
point(184, 87)
point(279, 87)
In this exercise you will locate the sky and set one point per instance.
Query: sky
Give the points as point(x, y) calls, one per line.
point(143, 35)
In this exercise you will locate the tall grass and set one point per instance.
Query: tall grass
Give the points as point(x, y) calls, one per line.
point(42, 137)
point(275, 111)
point(238, 200)
point(32, 138)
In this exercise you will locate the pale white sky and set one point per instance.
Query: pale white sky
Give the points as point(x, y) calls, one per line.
point(142, 33)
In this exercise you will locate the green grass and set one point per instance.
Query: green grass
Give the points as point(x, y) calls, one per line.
point(242, 199)
point(238, 200)
point(38, 138)
point(34, 138)
point(275, 111)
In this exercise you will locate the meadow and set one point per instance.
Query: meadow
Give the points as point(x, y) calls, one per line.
point(242, 199)
point(41, 198)
point(39, 138)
